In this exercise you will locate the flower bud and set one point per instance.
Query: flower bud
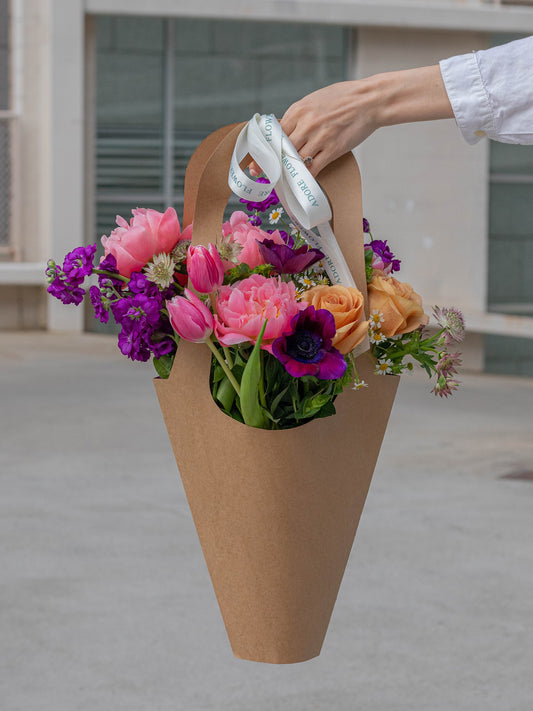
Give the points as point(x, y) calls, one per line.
point(190, 317)
point(205, 268)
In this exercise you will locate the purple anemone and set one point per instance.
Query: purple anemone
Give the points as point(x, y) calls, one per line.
point(286, 260)
point(307, 349)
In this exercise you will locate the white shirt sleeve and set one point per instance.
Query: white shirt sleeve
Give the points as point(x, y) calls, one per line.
point(491, 92)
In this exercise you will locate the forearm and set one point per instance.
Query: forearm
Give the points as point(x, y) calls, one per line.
point(410, 95)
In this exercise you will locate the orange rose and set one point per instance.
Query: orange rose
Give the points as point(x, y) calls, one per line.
point(400, 305)
point(346, 304)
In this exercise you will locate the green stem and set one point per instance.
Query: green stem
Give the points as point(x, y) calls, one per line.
point(209, 343)
point(262, 398)
point(227, 353)
point(103, 272)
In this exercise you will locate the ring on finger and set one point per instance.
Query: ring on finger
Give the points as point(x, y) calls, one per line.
point(308, 160)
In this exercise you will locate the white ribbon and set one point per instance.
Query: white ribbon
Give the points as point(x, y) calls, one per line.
point(299, 193)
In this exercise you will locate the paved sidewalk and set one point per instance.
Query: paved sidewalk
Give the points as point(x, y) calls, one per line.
point(106, 603)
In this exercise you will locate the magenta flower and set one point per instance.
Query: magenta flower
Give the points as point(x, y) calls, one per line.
point(307, 349)
point(286, 260)
point(382, 257)
point(269, 201)
point(190, 317)
point(205, 268)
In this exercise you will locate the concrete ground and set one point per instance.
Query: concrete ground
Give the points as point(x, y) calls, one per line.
point(106, 603)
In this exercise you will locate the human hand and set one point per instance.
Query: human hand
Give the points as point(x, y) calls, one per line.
point(329, 122)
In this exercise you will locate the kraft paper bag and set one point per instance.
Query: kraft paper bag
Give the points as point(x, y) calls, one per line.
point(276, 511)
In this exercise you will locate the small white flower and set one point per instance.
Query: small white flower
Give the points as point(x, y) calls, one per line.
point(384, 367)
point(376, 336)
point(376, 318)
point(359, 385)
point(161, 270)
point(275, 215)
point(294, 231)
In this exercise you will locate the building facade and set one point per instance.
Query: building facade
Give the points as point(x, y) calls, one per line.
point(103, 101)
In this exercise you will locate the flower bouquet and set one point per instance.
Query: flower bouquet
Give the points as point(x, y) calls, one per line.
point(254, 344)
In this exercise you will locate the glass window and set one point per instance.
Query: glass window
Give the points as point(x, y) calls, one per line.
point(163, 85)
point(510, 286)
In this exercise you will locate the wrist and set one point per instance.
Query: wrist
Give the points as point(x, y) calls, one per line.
point(410, 95)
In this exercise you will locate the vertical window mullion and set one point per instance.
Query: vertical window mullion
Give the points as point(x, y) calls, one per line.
point(168, 114)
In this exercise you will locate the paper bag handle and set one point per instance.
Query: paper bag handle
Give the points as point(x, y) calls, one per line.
point(206, 187)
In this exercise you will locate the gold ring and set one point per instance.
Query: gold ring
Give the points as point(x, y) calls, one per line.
point(308, 161)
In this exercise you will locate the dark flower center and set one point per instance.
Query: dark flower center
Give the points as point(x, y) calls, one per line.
point(305, 346)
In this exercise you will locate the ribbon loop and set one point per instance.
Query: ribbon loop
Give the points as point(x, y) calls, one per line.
point(298, 191)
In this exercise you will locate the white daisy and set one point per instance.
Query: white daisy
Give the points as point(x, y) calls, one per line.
point(376, 318)
point(275, 215)
point(359, 385)
point(384, 367)
point(376, 336)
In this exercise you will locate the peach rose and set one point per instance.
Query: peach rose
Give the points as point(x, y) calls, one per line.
point(401, 306)
point(346, 304)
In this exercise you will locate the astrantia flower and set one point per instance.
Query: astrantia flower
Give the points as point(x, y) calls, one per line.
point(275, 215)
point(445, 386)
point(453, 323)
point(448, 364)
point(286, 260)
point(161, 270)
point(307, 348)
point(384, 366)
point(262, 206)
point(179, 253)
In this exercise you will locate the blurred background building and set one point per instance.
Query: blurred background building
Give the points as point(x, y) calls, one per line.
point(102, 102)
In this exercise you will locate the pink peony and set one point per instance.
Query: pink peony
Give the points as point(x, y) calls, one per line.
point(241, 310)
point(240, 230)
point(148, 233)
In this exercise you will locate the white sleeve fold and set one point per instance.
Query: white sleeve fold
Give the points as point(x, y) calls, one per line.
point(491, 92)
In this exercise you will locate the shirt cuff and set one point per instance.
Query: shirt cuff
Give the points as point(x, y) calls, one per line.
point(468, 96)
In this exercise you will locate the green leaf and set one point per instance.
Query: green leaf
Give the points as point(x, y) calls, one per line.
point(226, 394)
point(163, 365)
point(252, 412)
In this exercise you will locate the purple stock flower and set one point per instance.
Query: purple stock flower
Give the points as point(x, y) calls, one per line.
point(262, 206)
point(383, 258)
point(307, 349)
point(142, 310)
point(109, 264)
point(100, 311)
point(132, 343)
point(78, 264)
point(255, 220)
point(366, 225)
point(139, 284)
point(286, 260)
point(65, 292)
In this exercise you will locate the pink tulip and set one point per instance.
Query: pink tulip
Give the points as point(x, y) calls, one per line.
point(190, 317)
point(148, 233)
point(205, 268)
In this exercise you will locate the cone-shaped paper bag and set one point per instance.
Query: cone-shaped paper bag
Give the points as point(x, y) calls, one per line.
point(276, 511)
